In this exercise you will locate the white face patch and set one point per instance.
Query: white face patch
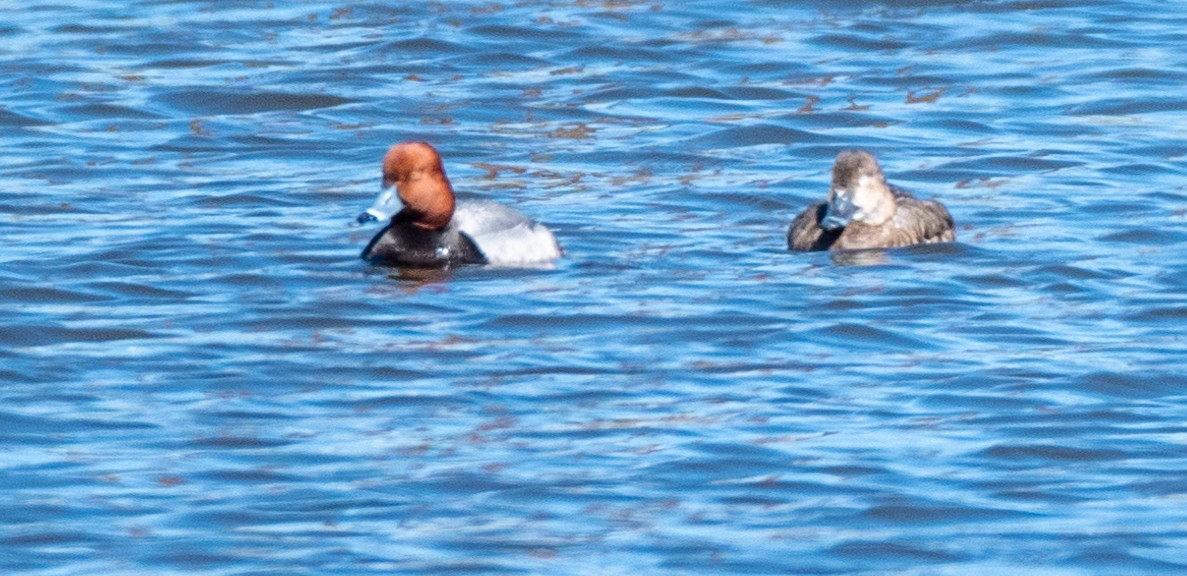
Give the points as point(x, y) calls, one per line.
point(875, 204)
point(865, 197)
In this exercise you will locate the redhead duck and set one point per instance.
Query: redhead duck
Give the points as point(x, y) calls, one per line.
point(429, 227)
point(863, 211)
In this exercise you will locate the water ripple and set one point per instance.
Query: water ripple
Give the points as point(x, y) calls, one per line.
point(201, 376)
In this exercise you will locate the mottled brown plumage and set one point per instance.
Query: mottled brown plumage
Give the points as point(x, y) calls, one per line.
point(863, 211)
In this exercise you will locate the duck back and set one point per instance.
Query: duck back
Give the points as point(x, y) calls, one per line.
point(806, 234)
point(503, 235)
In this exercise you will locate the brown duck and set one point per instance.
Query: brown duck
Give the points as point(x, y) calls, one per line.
point(863, 211)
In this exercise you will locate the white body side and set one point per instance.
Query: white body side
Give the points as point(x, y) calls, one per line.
point(503, 235)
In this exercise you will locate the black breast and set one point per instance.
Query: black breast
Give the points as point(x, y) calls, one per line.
point(404, 244)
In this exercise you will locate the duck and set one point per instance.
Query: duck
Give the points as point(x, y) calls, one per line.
point(427, 226)
point(863, 211)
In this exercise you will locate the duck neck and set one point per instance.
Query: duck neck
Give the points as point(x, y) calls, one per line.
point(428, 202)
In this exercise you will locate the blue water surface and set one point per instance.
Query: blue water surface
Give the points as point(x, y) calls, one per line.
point(199, 376)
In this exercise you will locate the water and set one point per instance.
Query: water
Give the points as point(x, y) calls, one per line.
point(200, 377)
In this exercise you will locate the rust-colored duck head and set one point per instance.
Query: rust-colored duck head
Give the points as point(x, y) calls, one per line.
point(413, 173)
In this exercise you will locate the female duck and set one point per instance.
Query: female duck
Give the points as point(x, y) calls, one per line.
point(431, 228)
point(863, 211)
